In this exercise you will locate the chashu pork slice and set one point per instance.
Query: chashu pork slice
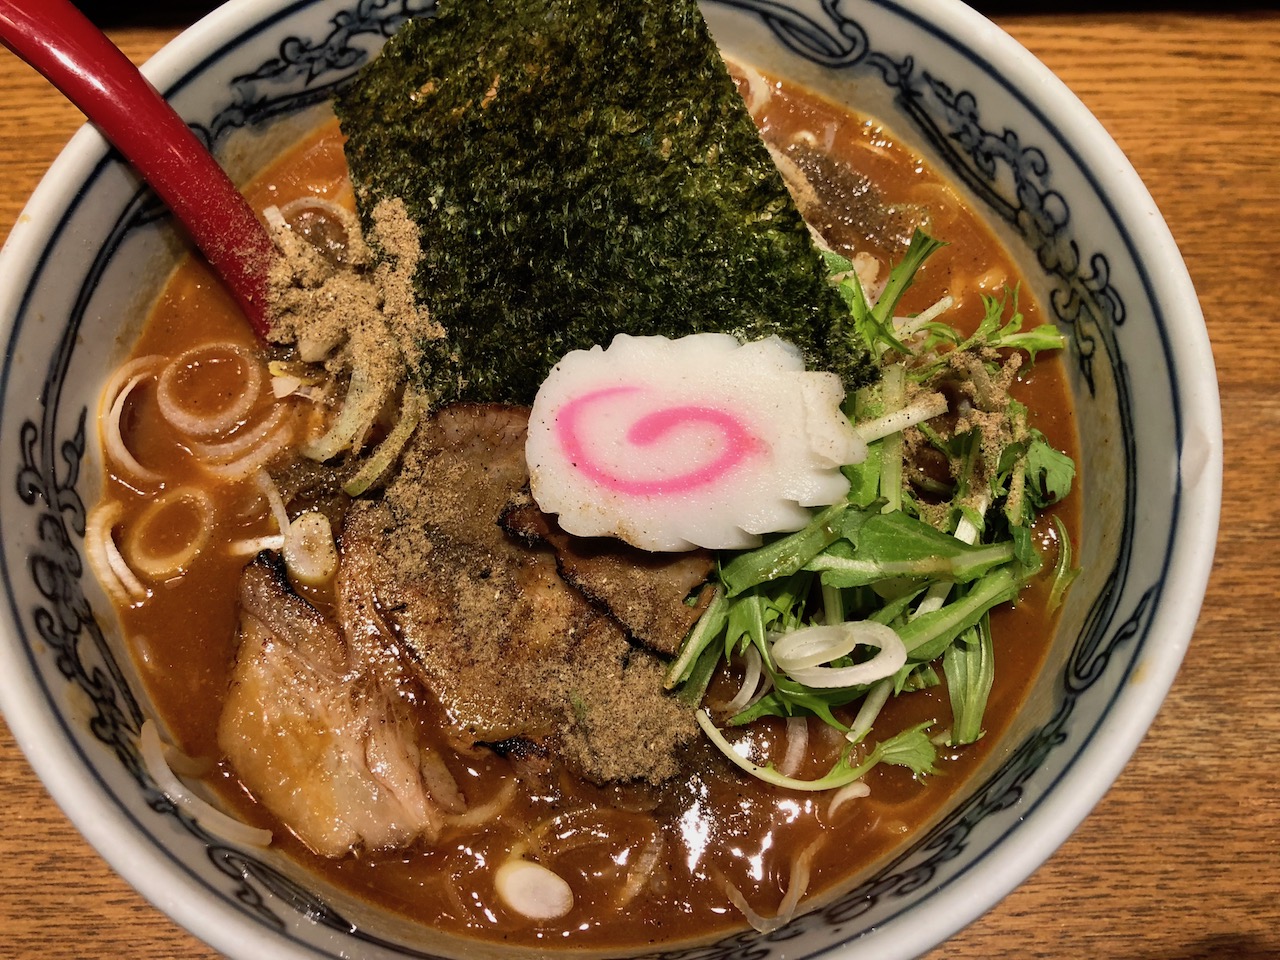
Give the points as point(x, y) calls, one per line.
point(645, 592)
point(509, 649)
point(320, 739)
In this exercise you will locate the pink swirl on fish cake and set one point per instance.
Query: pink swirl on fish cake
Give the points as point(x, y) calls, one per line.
point(739, 443)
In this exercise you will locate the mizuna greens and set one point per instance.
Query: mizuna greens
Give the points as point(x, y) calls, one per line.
point(926, 555)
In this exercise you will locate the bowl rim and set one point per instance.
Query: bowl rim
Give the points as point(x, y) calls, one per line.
point(1077, 788)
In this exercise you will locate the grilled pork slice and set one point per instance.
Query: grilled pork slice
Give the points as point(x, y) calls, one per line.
point(645, 592)
point(510, 650)
point(322, 741)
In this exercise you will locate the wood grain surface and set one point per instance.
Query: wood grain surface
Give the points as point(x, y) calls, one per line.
point(1181, 860)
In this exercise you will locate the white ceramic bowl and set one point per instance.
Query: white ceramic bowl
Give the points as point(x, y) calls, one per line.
point(91, 249)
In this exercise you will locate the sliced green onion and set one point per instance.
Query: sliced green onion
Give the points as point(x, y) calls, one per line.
point(385, 455)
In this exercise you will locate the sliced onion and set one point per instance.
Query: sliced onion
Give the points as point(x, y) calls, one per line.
point(759, 90)
point(766, 685)
point(758, 921)
point(111, 408)
point(159, 566)
point(852, 791)
point(382, 458)
point(933, 599)
point(275, 219)
point(440, 782)
point(309, 551)
point(569, 831)
point(183, 765)
point(798, 654)
point(272, 493)
point(330, 229)
point(813, 645)
point(808, 138)
point(868, 269)
point(208, 424)
point(918, 411)
point(906, 326)
point(116, 447)
point(303, 204)
point(641, 871)
point(120, 567)
point(285, 386)
point(797, 887)
point(257, 458)
point(204, 813)
point(359, 409)
point(290, 378)
point(737, 756)
point(797, 744)
point(255, 545)
point(798, 884)
point(242, 441)
point(563, 833)
point(476, 816)
point(146, 366)
point(105, 559)
point(750, 681)
point(313, 349)
point(532, 890)
point(872, 704)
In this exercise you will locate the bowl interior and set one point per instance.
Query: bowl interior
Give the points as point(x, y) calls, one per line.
point(94, 247)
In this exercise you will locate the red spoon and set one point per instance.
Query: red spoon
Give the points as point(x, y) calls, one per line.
point(61, 43)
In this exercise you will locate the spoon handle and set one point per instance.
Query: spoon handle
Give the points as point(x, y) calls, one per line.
point(60, 42)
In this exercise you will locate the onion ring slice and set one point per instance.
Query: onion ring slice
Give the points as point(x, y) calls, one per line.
point(160, 566)
point(111, 409)
point(204, 813)
point(800, 653)
point(209, 424)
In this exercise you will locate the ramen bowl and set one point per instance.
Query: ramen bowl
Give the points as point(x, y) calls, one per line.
point(93, 248)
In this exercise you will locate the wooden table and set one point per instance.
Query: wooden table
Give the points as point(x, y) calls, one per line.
point(1181, 860)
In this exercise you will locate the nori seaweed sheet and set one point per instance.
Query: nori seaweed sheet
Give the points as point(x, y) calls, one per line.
point(578, 169)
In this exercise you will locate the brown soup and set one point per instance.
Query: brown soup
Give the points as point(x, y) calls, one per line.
point(665, 854)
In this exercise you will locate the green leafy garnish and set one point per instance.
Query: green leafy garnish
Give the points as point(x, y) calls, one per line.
point(927, 635)
point(930, 558)
point(994, 332)
point(969, 665)
point(911, 748)
point(888, 545)
point(788, 554)
point(1063, 572)
point(1049, 472)
point(874, 324)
